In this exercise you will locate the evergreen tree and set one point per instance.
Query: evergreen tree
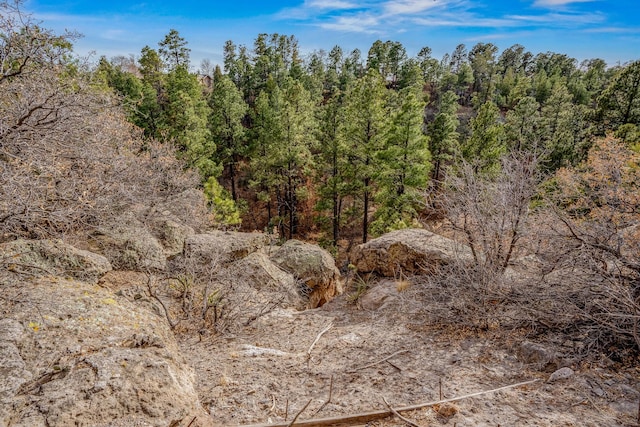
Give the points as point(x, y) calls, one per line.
point(565, 132)
point(483, 64)
point(403, 164)
point(285, 125)
point(332, 165)
point(523, 126)
point(185, 121)
point(620, 101)
point(228, 111)
point(487, 142)
point(443, 135)
point(174, 51)
point(364, 127)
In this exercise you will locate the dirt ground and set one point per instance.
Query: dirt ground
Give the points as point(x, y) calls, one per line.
point(341, 360)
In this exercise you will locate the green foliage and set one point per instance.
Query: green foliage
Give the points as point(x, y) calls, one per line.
point(443, 134)
point(486, 144)
point(283, 129)
point(348, 136)
point(225, 210)
point(174, 51)
point(565, 131)
point(404, 164)
point(332, 167)
point(364, 128)
point(185, 121)
point(620, 101)
point(227, 112)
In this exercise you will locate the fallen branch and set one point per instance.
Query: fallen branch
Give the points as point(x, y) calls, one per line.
point(378, 362)
point(365, 417)
point(298, 414)
point(326, 402)
point(397, 414)
point(322, 332)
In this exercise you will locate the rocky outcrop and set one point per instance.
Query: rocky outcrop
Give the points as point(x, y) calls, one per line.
point(51, 258)
point(267, 279)
point(73, 353)
point(313, 267)
point(129, 244)
point(254, 286)
point(408, 251)
point(223, 246)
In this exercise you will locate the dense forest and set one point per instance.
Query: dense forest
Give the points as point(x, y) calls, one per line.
point(349, 145)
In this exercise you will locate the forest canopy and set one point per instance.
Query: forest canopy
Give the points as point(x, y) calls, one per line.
point(334, 141)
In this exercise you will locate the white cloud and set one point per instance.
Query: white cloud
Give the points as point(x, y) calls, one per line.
point(465, 20)
point(330, 4)
point(403, 7)
point(554, 3)
point(114, 34)
point(560, 19)
point(359, 23)
point(396, 16)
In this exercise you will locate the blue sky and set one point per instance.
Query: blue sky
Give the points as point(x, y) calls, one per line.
point(583, 29)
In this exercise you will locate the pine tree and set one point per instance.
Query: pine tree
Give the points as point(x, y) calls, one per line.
point(364, 127)
point(174, 51)
point(620, 101)
point(443, 135)
point(185, 121)
point(523, 126)
point(284, 128)
point(486, 144)
point(565, 131)
point(332, 163)
point(403, 164)
point(228, 111)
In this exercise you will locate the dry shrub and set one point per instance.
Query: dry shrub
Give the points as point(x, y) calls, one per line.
point(68, 158)
point(489, 212)
point(579, 282)
point(594, 230)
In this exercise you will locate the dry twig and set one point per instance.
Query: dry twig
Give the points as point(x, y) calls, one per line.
point(406, 420)
point(378, 361)
point(328, 398)
point(322, 332)
point(298, 414)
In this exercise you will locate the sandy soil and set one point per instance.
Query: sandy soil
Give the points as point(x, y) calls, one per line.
point(271, 369)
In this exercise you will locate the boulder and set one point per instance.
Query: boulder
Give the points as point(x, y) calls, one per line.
point(408, 251)
point(50, 258)
point(313, 267)
point(268, 282)
point(73, 353)
point(560, 374)
point(223, 246)
point(129, 244)
point(538, 355)
point(171, 234)
point(379, 296)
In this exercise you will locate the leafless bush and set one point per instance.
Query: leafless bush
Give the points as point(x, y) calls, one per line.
point(68, 158)
point(594, 224)
point(579, 282)
point(490, 211)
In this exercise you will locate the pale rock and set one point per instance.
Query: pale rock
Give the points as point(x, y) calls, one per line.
point(408, 251)
point(313, 267)
point(561, 374)
point(50, 258)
